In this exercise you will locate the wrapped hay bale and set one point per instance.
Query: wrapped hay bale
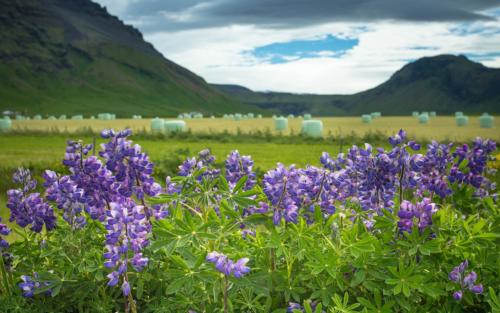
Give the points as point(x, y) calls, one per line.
point(174, 126)
point(157, 125)
point(62, 117)
point(251, 115)
point(52, 118)
point(462, 120)
point(415, 113)
point(259, 115)
point(37, 117)
point(423, 118)
point(238, 117)
point(291, 116)
point(366, 118)
point(432, 114)
point(459, 113)
point(312, 128)
point(307, 116)
point(376, 115)
point(486, 121)
point(281, 123)
point(77, 117)
point(5, 124)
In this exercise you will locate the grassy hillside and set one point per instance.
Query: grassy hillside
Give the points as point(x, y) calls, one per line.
point(444, 83)
point(71, 56)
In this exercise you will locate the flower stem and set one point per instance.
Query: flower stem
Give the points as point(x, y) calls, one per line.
point(226, 285)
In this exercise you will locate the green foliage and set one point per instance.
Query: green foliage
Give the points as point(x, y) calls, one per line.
point(337, 264)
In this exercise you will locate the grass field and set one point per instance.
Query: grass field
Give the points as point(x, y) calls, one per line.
point(439, 128)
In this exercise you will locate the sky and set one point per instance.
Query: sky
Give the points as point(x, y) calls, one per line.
point(312, 46)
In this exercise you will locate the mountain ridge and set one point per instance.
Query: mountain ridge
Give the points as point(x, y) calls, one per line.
point(442, 83)
point(72, 56)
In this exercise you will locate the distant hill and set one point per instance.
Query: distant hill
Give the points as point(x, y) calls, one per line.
point(71, 56)
point(443, 83)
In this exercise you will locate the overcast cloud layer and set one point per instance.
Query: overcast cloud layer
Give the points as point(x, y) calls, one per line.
point(217, 39)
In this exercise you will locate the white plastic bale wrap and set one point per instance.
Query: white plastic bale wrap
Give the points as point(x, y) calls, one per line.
point(157, 125)
point(423, 118)
point(37, 117)
point(459, 113)
point(307, 116)
point(77, 117)
point(198, 115)
point(366, 118)
point(259, 115)
point(52, 118)
point(281, 123)
point(291, 116)
point(5, 124)
point(415, 113)
point(62, 117)
point(251, 115)
point(312, 128)
point(105, 116)
point(432, 114)
point(462, 120)
point(486, 121)
point(238, 117)
point(376, 114)
point(174, 126)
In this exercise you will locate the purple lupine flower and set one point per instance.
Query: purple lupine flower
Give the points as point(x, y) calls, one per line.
point(238, 166)
point(419, 215)
point(90, 175)
point(127, 232)
point(227, 266)
point(294, 306)
point(130, 166)
point(281, 188)
point(67, 196)
point(204, 161)
point(29, 209)
point(30, 284)
point(466, 281)
point(473, 173)
point(434, 169)
point(4, 231)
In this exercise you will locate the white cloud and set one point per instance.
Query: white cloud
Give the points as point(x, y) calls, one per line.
point(218, 54)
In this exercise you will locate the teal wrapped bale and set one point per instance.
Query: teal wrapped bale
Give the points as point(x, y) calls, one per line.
point(366, 118)
point(259, 115)
point(458, 113)
point(415, 113)
point(281, 123)
point(312, 128)
point(238, 117)
point(376, 115)
point(77, 117)
point(52, 118)
point(486, 121)
point(113, 116)
point(462, 120)
point(37, 117)
point(62, 117)
point(291, 116)
point(5, 124)
point(105, 116)
point(432, 114)
point(251, 115)
point(175, 126)
point(198, 115)
point(136, 117)
point(92, 117)
point(423, 118)
point(307, 116)
point(20, 118)
point(157, 125)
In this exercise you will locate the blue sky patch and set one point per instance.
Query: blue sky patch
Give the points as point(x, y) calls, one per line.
point(282, 52)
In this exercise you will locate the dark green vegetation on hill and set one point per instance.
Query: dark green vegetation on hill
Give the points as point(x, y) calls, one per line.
point(71, 56)
point(443, 83)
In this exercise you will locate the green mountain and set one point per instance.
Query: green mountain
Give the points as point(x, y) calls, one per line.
point(71, 56)
point(444, 83)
